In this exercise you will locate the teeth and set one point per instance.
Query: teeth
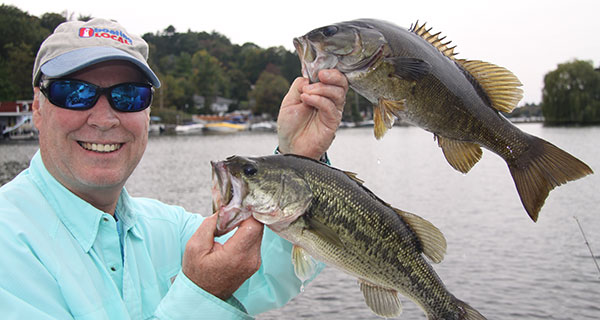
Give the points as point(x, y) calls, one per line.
point(100, 147)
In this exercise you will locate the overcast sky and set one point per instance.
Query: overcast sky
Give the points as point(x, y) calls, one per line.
point(528, 37)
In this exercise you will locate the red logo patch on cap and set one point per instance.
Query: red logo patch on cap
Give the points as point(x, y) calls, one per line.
point(86, 32)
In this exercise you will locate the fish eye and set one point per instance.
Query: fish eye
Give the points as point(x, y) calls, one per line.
point(330, 31)
point(249, 169)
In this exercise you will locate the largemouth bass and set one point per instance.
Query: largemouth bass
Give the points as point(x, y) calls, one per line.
point(413, 75)
point(328, 214)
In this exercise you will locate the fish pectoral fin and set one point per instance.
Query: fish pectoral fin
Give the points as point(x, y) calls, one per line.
point(461, 155)
point(384, 115)
point(383, 301)
point(432, 240)
point(305, 266)
point(324, 232)
point(407, 68)
point(500, 85)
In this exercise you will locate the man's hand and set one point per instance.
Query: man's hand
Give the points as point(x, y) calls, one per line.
point(311, 113)
point(220, 269)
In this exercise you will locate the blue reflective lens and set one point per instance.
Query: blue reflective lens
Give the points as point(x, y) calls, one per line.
point(72, 94)
point(131, 97)
point(81, 95)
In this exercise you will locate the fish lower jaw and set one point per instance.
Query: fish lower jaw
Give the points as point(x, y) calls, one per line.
point(98, 147)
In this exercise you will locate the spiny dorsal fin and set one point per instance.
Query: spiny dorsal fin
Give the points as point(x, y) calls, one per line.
point(500, 85)
point(433, 39)
point(461, 155)
point(432, 239)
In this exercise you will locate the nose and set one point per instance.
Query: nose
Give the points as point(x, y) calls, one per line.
point(102, 115)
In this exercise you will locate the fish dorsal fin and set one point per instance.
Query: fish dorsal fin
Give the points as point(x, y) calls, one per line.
point(461, 155)
point(383, 301)
point(354, 177)
point(433, 39)
point(432, 239)
point(500, 85)
point(384, 113)
point(305, 266)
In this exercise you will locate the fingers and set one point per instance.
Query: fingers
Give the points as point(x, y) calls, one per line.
point(333, 77)
point(222, 269)
point(333, 86)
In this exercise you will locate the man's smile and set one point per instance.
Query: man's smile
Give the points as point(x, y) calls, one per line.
point(99, 147)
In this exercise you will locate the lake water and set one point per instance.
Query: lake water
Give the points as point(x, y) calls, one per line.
point(498, 261)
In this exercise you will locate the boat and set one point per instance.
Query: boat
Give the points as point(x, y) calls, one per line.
point(225, 127)
point(269, 126)
point(189, 128)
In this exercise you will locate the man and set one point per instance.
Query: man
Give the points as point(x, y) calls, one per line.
point(75, 245)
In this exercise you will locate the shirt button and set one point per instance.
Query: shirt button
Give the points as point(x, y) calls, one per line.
point(113, 269)
point(105, 219)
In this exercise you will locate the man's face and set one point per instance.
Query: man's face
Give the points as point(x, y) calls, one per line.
point(67, 137)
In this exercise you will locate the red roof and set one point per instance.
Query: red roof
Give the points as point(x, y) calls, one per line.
point(15, 106)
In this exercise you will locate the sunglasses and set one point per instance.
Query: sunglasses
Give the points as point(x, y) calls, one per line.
point(81, 95)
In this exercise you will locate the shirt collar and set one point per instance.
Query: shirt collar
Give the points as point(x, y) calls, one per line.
point(79, 217)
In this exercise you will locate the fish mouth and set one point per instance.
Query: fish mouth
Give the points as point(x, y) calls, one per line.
point(312, 59)
point(228, 193)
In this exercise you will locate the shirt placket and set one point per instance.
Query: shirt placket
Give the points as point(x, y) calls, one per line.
point(108, 246)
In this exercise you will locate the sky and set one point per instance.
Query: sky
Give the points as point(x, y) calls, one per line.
point(528, 37)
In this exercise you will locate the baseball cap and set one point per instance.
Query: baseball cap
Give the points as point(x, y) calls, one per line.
point(75, 45)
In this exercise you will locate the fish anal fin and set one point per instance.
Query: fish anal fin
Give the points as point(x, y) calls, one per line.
point(305, 266)
point(407, 68)
point(499, 84)
point(384, 113)
point(432, 240)
point(461, 155)
point(542, 169)
point(383, 301)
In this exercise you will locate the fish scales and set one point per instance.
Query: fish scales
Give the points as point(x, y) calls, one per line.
point(335, 219)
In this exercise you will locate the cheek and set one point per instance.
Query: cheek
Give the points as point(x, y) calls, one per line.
point(135, 122)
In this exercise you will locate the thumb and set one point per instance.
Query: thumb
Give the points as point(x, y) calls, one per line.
point(293, 95)
point(202, 241)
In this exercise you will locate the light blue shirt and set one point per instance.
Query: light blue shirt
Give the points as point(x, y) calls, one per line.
point(61, 259)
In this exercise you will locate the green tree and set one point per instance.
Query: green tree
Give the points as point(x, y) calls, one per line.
point(571, 94)
point(20, 37)
point(268, 93)
point(208, 77)
point(51, 20)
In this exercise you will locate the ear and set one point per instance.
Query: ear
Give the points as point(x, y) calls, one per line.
point(35, 107)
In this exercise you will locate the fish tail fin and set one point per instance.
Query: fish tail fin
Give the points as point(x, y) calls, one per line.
point(541, 169)
point(469, 312)
point(466, 312)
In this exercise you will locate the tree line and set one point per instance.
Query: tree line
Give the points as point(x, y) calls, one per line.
point(193, 64)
